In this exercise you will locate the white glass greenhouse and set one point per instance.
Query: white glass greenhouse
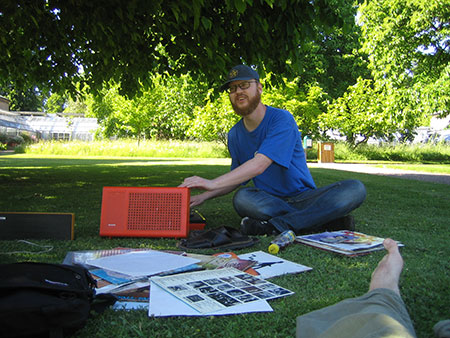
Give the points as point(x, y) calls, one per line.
point(49, 126)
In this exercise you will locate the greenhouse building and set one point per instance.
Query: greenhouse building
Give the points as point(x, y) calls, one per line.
point(46, 126)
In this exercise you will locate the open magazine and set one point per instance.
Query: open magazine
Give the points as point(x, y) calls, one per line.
point(345, 242)
point(213, 290)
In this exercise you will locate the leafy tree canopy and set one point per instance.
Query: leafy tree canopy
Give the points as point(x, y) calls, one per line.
point(54, 42)
point(363, 112)
point(408, 43)
point(29, 99)
point(334, 62)
point(162, 112)
point(55, 103)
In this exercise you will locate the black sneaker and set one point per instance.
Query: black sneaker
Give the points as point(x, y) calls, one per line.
point(250, 226)
point(342, 223)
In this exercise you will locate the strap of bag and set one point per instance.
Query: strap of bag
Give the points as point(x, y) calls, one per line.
point(102, 301)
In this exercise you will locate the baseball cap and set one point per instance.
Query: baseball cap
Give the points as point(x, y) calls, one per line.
point(240, 72)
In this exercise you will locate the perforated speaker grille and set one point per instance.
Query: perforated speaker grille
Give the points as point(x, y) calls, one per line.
point(155, 211)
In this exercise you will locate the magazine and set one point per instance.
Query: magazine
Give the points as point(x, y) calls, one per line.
point(345, 242)
point(222, 260)
point(136, 292)
point(109, 279)
point(246, 267)
point(213, 290)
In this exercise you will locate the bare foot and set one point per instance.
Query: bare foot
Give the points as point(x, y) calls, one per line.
point(387, 273)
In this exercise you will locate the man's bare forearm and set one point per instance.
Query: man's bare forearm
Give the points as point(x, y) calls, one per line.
point(200, 198)
point(243, 173)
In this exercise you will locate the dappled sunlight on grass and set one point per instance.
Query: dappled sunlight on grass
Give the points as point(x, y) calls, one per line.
point(413, 212)
point(22, 161)
point(216, 161)
point(28, 167)
point(23, 178)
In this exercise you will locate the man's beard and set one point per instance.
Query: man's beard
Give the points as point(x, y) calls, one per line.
point(252, 104)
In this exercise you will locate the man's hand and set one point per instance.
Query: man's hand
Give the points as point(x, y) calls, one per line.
point(196, 182)
point(197, 200)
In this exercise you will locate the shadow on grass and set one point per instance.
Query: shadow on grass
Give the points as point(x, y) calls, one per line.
point(11, 161)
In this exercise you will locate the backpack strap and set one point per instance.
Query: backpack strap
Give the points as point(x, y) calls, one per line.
point(102, 301)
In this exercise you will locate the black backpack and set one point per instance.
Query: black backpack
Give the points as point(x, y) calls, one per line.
point(45, 300)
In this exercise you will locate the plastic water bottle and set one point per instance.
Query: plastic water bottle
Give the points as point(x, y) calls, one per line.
point(281, 241)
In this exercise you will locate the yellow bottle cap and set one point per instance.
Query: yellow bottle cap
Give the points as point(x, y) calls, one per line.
point(274, 248)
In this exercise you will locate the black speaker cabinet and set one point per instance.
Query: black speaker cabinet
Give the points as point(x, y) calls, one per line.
point(35, 225)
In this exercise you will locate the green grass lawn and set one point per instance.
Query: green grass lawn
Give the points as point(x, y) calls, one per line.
point(413, 212)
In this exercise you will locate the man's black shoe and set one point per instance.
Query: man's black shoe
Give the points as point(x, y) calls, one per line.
point(342, 223)
point(252, 227)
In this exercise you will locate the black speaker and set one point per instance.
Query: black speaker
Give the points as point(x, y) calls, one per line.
point(36, 225)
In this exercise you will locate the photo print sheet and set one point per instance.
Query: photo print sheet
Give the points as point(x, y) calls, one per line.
point(213, 290)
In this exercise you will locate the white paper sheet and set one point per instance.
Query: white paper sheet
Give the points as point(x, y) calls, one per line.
point(142, 263)
point(269, 266)
point(163, 304)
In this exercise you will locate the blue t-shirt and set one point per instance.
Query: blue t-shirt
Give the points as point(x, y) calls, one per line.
point(277, 137)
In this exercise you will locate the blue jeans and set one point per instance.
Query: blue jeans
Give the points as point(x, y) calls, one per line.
point(307, 210)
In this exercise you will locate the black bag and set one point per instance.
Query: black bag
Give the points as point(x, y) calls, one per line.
point(45, 300)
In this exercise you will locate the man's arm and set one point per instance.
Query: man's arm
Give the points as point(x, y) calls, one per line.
point(246, 171)
point(200, 198)
point(228, 182)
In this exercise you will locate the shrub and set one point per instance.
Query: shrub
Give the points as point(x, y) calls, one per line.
point(420, 153)
point(190, 149)
point(10, 141)
point(26, 138)
point(20, 149)
point(3, 138)
point(15, 140)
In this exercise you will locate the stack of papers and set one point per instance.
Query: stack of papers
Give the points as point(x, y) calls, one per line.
point(139, 264)
point(345, 242)
point(213, 291)
point(124, 272)
point(170, 283)
point(232, 291)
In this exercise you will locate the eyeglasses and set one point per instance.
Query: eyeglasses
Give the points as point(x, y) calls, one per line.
point(243, 85)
